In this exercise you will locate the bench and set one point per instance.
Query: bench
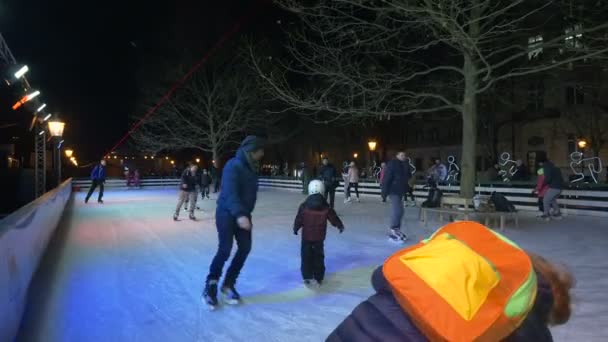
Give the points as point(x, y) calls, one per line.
point(451, 205)
point(458, 206)
point(499, 215)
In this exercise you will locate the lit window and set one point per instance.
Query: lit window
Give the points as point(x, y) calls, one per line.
point(574, 35)
point(535, 46)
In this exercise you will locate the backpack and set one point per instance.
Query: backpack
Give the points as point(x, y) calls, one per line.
point(433, 199)
point(501, 203)
point(464, 283)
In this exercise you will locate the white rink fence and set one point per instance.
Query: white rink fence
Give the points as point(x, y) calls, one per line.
point(592, 201)
point(24, 236)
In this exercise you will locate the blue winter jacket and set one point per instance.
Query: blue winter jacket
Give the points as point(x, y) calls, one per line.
point(381, 318)
point(99, 173)
point(239, 187)
point(396, 178)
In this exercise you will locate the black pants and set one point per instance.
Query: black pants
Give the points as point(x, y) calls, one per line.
point(541, 206)
point(205, 190)
point(410, 191)
point(330, 194)
point(216, 188)
point(228, 231)
point(92, 189)
point(354, 185)
point(313, 260)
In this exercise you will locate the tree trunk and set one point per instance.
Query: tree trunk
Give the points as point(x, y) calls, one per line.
point(215, 156)
point(469, 129)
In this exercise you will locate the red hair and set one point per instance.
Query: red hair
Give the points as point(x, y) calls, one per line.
point(561, 281)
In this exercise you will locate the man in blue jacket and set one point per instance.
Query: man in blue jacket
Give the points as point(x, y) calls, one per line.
point(395, 186)
point(98, 178)
point(233, 219)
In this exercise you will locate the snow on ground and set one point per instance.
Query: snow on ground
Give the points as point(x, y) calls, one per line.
point(124, 271)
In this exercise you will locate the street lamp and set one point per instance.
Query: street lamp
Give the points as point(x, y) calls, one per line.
point(372, 144)
point(24, 69)
point(355, 155)
point(69, 153)
point(56, 128)
point(582, 143)
point(198, 160)
point(25, 99)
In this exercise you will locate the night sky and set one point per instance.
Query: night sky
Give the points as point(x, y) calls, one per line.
point(88, 58)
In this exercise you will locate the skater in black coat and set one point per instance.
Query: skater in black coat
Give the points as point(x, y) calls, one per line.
point(329, 176)
point(206, 182)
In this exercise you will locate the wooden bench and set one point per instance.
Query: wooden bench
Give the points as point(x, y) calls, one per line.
point(458, 206)
point(466, 213)
point(499, 215)
point(451, 205)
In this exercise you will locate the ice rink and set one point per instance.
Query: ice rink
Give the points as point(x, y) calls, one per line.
point(124, 271)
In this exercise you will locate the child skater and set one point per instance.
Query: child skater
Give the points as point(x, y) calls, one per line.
point(541, 189)
point(312, 217)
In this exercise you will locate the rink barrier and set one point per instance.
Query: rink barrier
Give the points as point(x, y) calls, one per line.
point(574, 202)
point(24, 236)
point(121, 184)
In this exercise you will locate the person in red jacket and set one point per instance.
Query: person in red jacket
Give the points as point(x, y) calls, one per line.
point(541, 188)
point(312, 217)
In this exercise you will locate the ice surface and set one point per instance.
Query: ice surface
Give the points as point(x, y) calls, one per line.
point(124, 271)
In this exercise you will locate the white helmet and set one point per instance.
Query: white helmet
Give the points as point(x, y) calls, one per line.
point(316, 187)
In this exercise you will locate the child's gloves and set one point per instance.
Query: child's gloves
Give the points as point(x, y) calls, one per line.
point(341, 230)
point(295, 232)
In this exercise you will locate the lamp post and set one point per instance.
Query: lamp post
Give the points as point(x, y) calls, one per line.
point(581, 143)
point(372, 144)
point(56, 128)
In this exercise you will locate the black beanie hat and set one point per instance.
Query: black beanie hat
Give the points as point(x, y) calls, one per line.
point(252, 143)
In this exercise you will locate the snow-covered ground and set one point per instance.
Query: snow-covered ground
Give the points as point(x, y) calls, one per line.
point(124, 271)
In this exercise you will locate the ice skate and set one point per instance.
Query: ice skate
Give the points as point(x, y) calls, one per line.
point(358, 200)
point(545, 218)
point(347, 200)
point(395, 235)
point(210, 295)
point(175, 218)
point(230, 295)
point(312, 284)
point(192, 217)
point(100, 201)
point(557, 217)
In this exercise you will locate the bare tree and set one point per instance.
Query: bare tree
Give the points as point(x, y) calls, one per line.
point(209, 113)
point(357, 59)
point(589, 122)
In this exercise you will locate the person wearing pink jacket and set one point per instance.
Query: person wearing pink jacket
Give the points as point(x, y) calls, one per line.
point(353, 181)
point(541, 188)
